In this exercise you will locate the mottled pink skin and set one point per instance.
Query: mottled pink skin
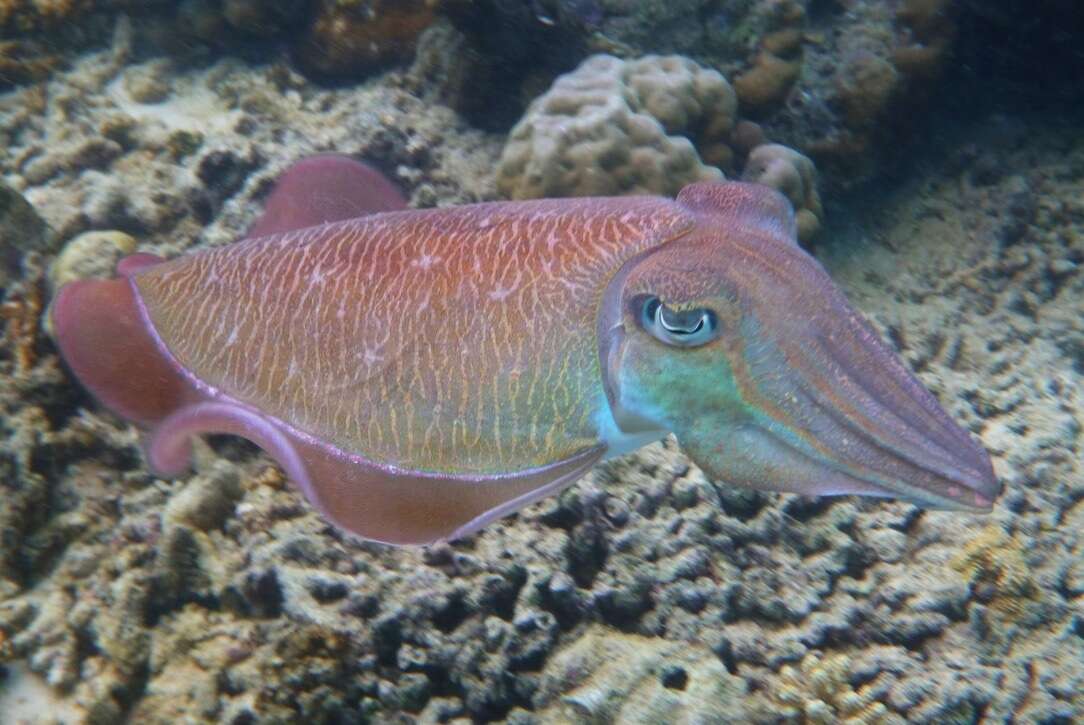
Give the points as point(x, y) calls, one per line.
point(326, 188)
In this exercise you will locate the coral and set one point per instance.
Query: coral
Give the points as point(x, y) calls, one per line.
point(866, 80)
point(622, 127)
point(865, 86)
point(778, 62)
point(895, 67)
point(767, 83)
point(445, 70)
point(617, 127)
point(351, 37)
point(925, 31)
point(792, 174)
point(818, 690)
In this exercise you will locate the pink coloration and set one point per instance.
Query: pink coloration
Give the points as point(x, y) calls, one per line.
point(401, 507)
point(326, 188)
point(418, 374)
point(105, 341)
point(137, 262)
point(136, 374)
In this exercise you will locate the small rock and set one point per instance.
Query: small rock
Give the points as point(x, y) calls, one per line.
point(91, 255)
point(148, 83)
point(206, 501)
point(887, 544)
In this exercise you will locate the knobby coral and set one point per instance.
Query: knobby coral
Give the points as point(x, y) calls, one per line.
point(648, 126)
point(615, 127)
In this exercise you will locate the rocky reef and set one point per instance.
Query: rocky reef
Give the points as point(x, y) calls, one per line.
point(647, 591)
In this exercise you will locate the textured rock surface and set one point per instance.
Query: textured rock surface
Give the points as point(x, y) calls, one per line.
point(221, 597)
point(605, 676)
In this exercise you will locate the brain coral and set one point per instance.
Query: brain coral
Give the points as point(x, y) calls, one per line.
point(618, 127)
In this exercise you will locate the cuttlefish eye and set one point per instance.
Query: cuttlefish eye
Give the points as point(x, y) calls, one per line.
point(680, 328)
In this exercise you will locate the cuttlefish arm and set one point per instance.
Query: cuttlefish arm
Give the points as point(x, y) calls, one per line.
point(738, 341)
point(419, 373)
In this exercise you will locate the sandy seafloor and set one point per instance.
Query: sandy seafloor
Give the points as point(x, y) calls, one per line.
point(645, 593)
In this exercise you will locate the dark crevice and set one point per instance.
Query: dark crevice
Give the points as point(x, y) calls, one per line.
point(500, 592)
point(674, 677)
point(725, 652)
point(805, 508)
point(448, 617)
point(587, 551)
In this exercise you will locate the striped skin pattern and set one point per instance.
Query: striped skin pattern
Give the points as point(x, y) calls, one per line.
point(418, 374)
point(457, 340)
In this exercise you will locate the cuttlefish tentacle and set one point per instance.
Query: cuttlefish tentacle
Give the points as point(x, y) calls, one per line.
point(420, 373)
point(814, 401)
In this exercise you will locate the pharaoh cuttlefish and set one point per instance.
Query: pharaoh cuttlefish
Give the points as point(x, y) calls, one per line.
point(419, 373)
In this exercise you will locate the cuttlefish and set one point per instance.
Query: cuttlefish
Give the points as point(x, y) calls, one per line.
point(420, 373)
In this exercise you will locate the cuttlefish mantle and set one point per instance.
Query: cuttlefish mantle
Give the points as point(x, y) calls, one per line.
point(419, 373)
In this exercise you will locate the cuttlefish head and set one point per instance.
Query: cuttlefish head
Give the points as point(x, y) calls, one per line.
point(736, 340)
